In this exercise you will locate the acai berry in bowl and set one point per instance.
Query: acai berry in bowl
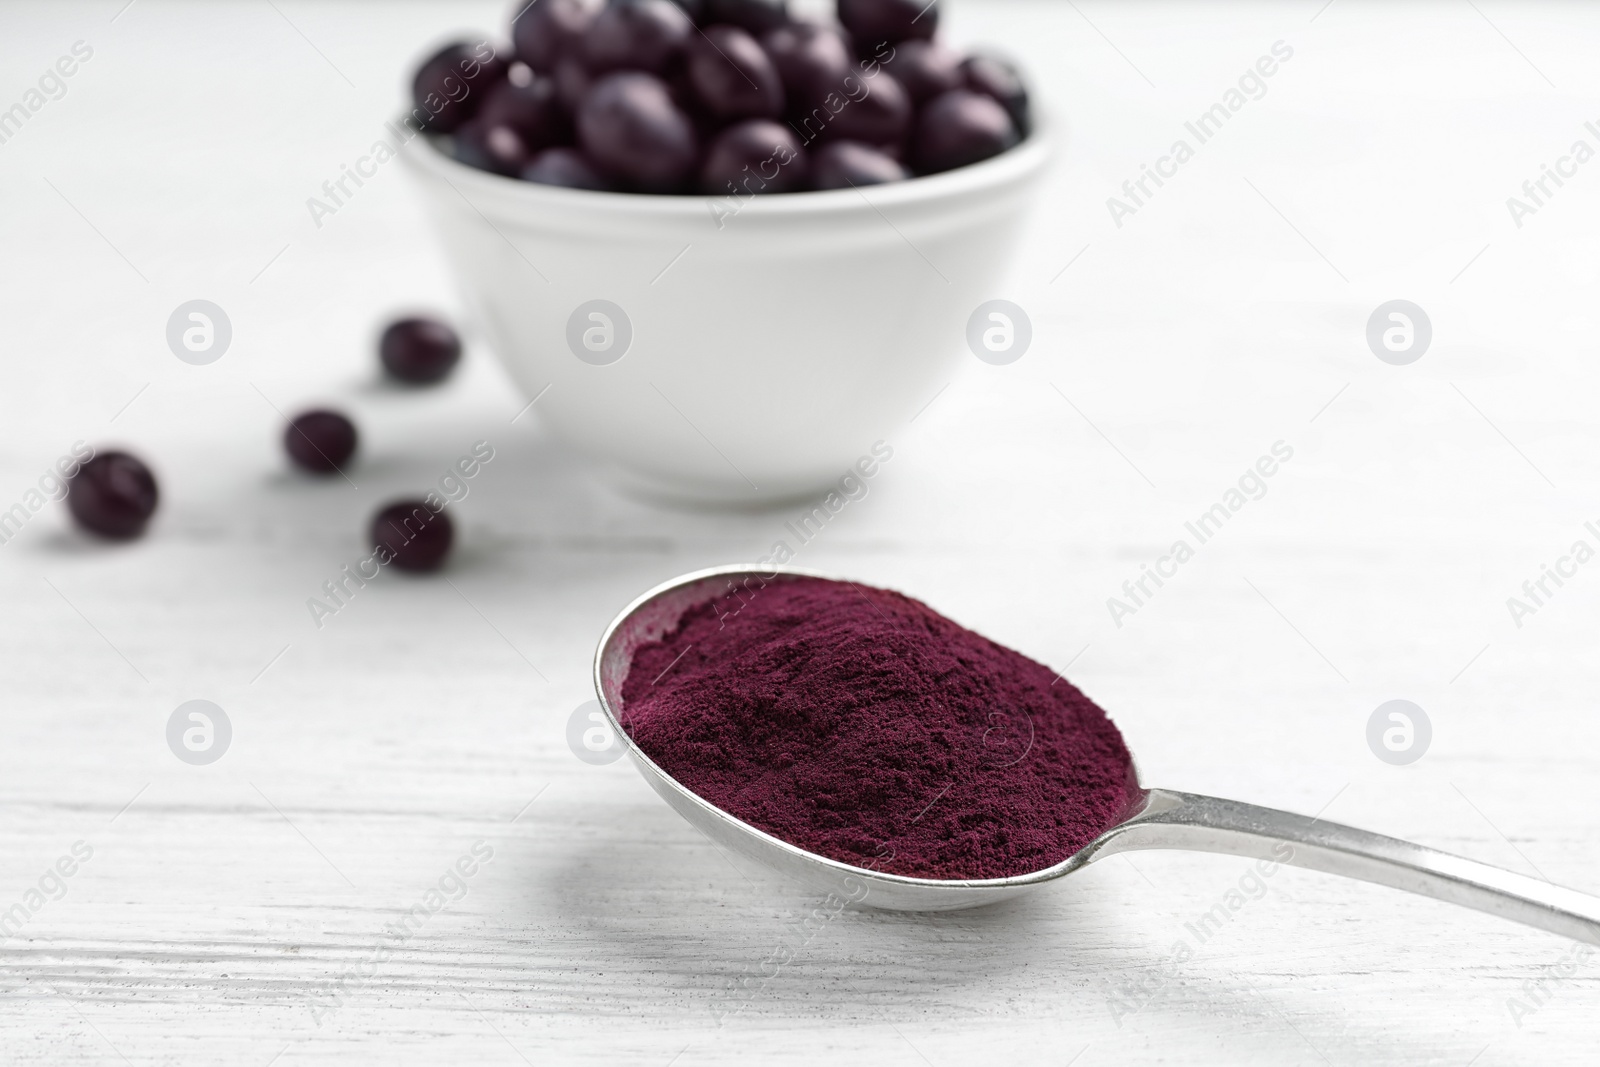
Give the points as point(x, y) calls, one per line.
point(725, 249)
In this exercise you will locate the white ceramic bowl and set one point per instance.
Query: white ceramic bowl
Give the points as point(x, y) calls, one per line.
point(773, 340)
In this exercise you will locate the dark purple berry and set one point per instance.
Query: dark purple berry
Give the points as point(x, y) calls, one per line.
point(881, 116)
point(545, 30)
point(629, 125)
point(532, 109)
point(451, 84)
point(499, 149)
point(419, 350)
point(320, 441)
point(572, 82)
point(683, 94)
point(925, 68)
point(812, 60)
point(874, 22)
point(755, 16)
point(411, 536)
point(754, 156)
point(113, 495)
point(846, 164)
point(998, 78)
point(567, 167)
point(958, 128)
point(732, 76)
point(642, 35)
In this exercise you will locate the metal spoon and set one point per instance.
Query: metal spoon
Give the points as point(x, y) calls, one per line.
point(1160, 819)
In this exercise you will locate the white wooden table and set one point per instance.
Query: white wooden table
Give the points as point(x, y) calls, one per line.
point(223, 903)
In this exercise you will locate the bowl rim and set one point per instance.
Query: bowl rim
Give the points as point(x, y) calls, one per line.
point(1024, 159)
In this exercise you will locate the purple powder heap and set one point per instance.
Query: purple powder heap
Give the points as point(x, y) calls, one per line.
point(861, 725)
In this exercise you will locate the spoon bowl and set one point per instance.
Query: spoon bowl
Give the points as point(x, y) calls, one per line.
point(1158, 818)
point(656, 613)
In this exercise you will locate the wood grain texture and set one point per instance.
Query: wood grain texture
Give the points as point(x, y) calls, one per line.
point(224, 905)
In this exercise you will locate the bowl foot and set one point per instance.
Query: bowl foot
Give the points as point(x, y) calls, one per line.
point(680, 495)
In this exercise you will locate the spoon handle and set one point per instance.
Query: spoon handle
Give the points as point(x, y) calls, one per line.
point(1209, 824)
